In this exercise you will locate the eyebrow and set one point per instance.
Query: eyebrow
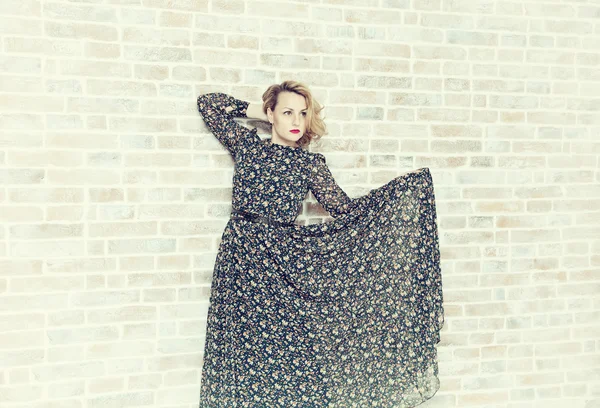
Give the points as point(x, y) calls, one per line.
point(285, 107)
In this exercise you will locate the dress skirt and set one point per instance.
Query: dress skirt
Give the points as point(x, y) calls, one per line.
point(345, 313)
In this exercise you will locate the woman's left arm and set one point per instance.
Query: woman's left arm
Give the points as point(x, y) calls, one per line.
point(326, 190)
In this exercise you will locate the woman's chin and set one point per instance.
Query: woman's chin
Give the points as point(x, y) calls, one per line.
point(291, 139)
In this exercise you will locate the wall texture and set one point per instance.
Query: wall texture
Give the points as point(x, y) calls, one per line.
point(113, 195)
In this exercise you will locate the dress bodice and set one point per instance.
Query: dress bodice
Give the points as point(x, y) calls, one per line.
point(270, 179)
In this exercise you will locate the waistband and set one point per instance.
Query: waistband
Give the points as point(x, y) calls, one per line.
point(238, 214)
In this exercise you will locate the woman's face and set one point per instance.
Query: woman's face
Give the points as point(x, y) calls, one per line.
point(288, 118)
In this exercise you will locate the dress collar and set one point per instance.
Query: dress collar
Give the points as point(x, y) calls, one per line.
point(268, 142)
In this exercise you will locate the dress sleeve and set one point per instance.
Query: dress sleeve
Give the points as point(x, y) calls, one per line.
point(327, 192)
point(230, 133)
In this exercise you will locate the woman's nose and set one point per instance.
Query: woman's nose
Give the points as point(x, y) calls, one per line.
point(295, 120)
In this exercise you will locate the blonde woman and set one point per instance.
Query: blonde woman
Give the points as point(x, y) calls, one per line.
point(345, 313)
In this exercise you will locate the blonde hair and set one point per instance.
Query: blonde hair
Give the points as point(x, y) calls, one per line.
point(315, 127)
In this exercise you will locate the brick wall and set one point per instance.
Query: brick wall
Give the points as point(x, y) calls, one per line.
point(113, 195)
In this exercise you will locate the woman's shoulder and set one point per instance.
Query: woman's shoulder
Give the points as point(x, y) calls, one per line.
point(317, 157)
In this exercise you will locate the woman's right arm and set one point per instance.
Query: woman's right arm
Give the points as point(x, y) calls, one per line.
point(218, 111)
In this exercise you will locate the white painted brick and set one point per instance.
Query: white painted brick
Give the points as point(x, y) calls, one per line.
point(405, 4)
point(351, 3)
point(119, 350)
point(20, 393)
point(10, 83)
point(102, 105)
point(102, 50)
point(157, 245)
point(14, 340)
point(65, 213)
point(217, 23)
point(139, 331)
point(99, 32)
point(46, 284)
point(175, 19)
point(158, 279)
point(371, 16)
point(53, 10)
point(153, 36)
point(279, 9)
point(124, 366)
point(465, 6)
point(9, 24)
point(287, 28)
point(105, 385)
point(175, 91)
point(471, 38)
point(327, 14)
point(153, 54)
point(417, 34)
point(84, 68)
point(337, 63)
point(69, 317)
point(60, 248)
point(136, 15)
point(20, 65)
point(27, 7)
point(188, 5)
point(63, 86)
point(278, 60)
point(371, 33)
point(314, 46)
point(179, 395)
point(109, 175)
point(20, 322)
point(43, 47)
point(31, 104)
point(158, 295)
point(452, 21)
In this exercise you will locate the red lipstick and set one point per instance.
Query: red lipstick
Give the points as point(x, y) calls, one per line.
point(295, 131)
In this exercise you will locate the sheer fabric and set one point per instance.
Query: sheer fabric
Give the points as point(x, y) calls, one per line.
point(341, 314)
point(327, 192)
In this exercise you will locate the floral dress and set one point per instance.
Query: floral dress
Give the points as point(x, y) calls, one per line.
point(345, 313)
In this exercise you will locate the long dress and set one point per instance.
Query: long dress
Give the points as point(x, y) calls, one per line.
point(345, 313)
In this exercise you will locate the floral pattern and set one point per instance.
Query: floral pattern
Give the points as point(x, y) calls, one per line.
point(346, 313)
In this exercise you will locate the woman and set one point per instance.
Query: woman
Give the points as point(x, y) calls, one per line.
point(340, 314)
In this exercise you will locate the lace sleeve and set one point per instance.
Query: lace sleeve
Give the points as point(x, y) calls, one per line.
point(327, 192)
point(232, 135)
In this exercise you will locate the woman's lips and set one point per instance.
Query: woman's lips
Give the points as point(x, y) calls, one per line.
point(295, 131)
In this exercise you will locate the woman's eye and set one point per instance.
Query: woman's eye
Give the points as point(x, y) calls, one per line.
point(303, 113)
point(286, 112)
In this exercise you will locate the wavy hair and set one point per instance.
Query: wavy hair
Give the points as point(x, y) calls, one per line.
point(315, 126)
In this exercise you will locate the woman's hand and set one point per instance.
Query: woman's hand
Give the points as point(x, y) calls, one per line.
point(254, 111)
